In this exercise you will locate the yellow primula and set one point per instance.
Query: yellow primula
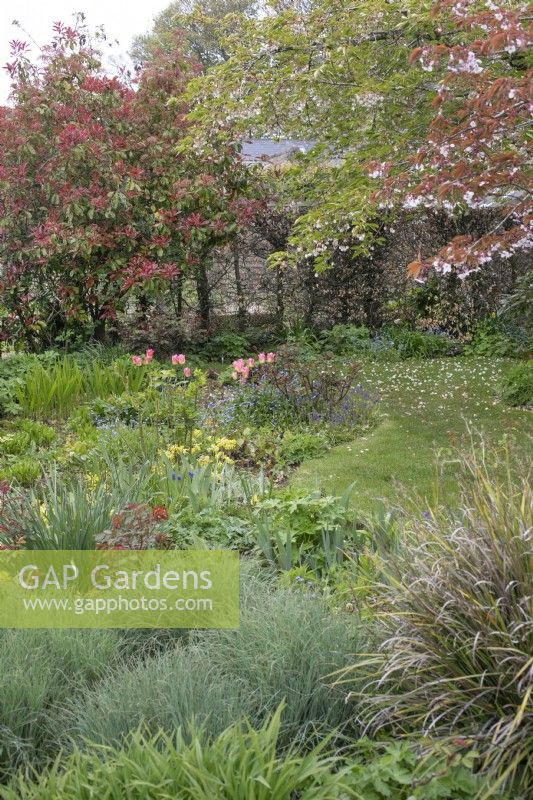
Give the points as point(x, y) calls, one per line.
point(225, 444)
point(206, 448)
point(91, 481)
point(174, 451)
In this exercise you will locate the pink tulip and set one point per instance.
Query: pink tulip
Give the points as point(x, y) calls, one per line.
point(244, 374)
point(148, 356)
point(238, 365)
point(178, 359)
point(251, 362)
point(261, 358)
point(234, 375)
point(136, 360)
point(187, 371)
point(270, 357)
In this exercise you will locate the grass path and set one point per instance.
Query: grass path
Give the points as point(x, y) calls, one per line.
point(426, 406)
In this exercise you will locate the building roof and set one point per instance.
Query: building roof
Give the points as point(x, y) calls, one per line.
point(255, 150)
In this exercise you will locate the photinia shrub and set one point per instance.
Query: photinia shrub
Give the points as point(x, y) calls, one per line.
point(98, 197)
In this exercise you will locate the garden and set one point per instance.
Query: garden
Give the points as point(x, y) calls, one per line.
point(322, 365)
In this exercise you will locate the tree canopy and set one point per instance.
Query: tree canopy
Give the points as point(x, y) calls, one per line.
point(343, 75)
point(200, 22)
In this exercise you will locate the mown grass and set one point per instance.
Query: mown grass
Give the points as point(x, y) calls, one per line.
point(427, 407)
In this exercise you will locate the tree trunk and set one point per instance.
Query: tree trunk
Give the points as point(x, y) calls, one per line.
point(280, 301)
point(179, 295)
point(100, 333)
point(310, 285)
point(202, 291)
point(241, 304)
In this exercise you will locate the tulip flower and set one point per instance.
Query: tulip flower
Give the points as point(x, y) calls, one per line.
point(261, 358)
point(187, 371)
point(178, 359)
point(270, 357)
point(136, 360)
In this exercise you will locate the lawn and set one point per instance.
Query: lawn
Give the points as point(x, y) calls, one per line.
point(426, 407)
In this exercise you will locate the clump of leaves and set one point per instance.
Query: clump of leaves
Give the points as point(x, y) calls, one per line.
point(134, 528)
point(456, 608)
point(24, 471)
point(241, 763)
point(492, 341)
point(517, 386)
point(404, 772)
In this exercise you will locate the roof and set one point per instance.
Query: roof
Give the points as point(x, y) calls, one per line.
point(274, 150)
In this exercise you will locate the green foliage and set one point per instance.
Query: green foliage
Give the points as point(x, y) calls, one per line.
point(311, 530)
point(13, 444)
point(102, 378)
point(41, 435)
point(23, 448)
point(241, 764)
point(39, 672)
point(345, 339)
point(297, 446)
point(442, 302)
point(516, 309)
point(53, 391)
point(201, 22)
point(257, 406)
point(517, 385)
point(226, 345)
point(211, 527)
point(24, 471)
point(418, 344)
point(208, 487)
point(57, 389)
point(66, 514)
point(285, 647)
point(457, 633)
point(491, 340)
point(404, 772)
point(165, 402)
point(13, 369)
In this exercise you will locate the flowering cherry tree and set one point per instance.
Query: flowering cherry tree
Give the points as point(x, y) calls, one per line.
point(475, 155)
point(422, 104)
point(98, 195)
